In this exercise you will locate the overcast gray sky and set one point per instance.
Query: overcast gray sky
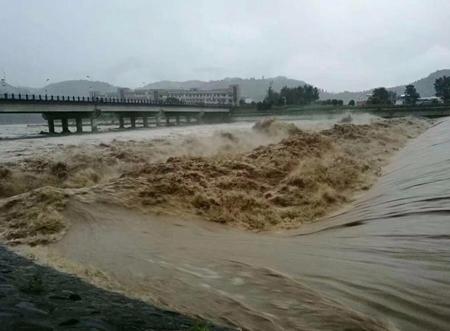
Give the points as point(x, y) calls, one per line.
point(335, 44)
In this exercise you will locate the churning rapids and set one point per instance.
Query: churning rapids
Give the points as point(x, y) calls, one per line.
point(382, 264)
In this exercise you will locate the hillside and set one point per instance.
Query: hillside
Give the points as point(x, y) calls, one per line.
point(424, 86)
point(6, 88)
point(67, 88)
point(250, 87)
point(78, 87)
point(256, 88)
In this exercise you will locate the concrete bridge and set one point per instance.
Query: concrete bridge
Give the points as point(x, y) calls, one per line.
point(69, 110)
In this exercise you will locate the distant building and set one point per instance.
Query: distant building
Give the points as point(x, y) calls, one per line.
point(138, 94)
point(400, 100)
point(429, 101)
point(226, 96)
point(420, 101)
point(361, 103)
point(98, 94)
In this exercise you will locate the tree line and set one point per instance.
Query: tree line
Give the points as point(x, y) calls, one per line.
point(307, 94)
point(381, 96)
point(300, 95)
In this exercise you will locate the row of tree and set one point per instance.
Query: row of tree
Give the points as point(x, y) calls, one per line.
point(334, 102)
point(300, 95)
point(304, 95)
point(442, 87)
point(381, 96)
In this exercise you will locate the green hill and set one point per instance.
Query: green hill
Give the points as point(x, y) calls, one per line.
point(254, 88)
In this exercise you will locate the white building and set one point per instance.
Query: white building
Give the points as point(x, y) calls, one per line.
point(226, 96)
point(137, 94)
point(420, 101)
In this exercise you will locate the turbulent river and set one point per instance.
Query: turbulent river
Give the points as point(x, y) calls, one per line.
point(382, 264)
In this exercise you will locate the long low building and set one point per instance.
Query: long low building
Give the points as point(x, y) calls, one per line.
point(226, 96)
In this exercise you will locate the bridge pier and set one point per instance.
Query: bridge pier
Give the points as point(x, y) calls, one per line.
point(94, 124)
point(51, 125)
point(72, 111)
point(200, 118)
point(65, 125)
point(79, 124)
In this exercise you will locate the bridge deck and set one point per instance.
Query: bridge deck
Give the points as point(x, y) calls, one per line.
point(70, 109)
point(45, 104)
point(15, 108)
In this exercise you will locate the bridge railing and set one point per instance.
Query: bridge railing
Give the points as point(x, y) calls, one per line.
point(51, 99)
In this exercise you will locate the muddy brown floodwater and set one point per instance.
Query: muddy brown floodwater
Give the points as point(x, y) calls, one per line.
point(273, 176)
point(383, 264)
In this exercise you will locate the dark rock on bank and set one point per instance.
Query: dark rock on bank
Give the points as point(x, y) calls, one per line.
point(37, 298)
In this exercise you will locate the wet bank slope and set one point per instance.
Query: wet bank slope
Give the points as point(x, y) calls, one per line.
point(33, 297)
point(390, 255)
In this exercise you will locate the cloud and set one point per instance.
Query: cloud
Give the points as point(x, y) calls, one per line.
point(337, 45)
